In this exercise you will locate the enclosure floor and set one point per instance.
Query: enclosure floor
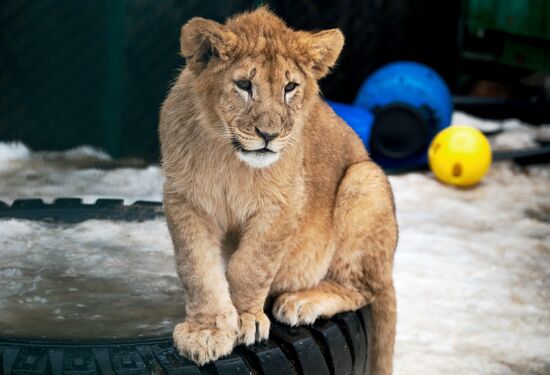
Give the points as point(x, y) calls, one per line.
point(472, 268)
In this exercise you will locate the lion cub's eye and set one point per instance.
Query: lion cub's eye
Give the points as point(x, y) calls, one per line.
point(244, 84)
point(290, 86)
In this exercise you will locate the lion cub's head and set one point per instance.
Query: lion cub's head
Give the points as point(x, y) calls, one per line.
point(255, 79)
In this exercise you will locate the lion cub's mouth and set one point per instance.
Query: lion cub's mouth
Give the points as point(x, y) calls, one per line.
point(239, 147)
point(259, 158)
point(264, 150)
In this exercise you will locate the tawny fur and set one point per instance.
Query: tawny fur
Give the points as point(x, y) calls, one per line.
point(310, 225)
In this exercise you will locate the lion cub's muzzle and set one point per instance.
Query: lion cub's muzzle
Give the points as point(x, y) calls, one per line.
point(260, 152)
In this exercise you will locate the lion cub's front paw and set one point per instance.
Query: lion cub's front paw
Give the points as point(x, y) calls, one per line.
point(254, 327)
point(204, 342)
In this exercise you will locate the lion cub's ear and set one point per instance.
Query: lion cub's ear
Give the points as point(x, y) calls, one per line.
point(202, 39)
point(323, 48)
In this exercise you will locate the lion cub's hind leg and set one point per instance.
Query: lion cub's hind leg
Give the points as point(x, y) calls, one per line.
point(366, 235)
point(360, 272)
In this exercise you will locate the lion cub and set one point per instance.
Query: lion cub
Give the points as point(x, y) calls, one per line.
point(268, 193)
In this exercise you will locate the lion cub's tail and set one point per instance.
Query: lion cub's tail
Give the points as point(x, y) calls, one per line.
point(381, 333)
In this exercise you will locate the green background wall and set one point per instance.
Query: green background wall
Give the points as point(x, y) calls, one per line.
point(92, 72)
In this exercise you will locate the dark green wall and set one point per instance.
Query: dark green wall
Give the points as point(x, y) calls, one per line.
point(92, 72)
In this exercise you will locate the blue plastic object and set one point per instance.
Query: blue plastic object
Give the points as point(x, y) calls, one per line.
point(409, 83)
point(411, 104)
point(359, 119)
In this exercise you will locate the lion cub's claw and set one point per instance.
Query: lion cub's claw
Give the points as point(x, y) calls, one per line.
point(254, 328)
point(203, 343)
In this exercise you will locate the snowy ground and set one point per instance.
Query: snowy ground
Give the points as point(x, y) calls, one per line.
point(472, 268)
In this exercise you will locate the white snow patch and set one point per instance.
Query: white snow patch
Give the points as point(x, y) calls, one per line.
point(472, 273)
point(516, 134)
point(12, 151)
point(73, 173)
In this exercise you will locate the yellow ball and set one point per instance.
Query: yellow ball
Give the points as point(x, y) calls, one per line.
point(460, 155)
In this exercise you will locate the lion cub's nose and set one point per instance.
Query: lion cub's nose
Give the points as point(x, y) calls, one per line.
point(266, 136)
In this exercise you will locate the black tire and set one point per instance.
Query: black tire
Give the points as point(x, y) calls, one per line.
point(334, 346)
